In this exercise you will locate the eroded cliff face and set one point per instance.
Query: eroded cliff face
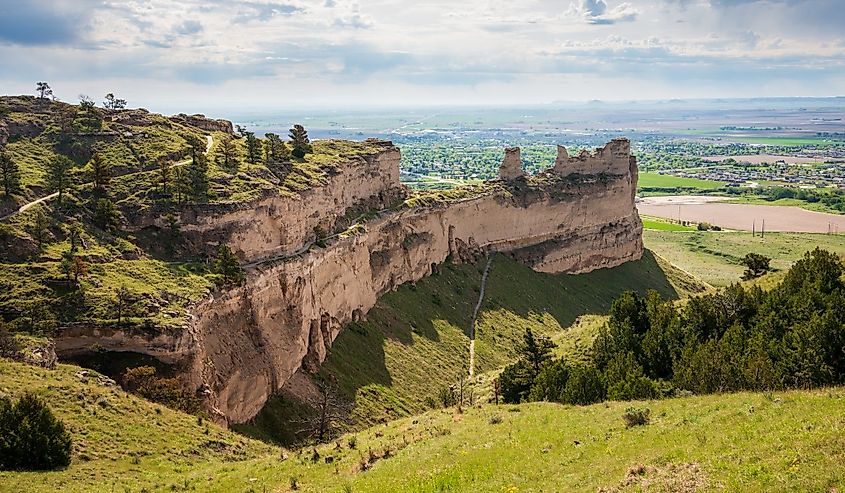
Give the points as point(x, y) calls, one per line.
point(277, 224)
point(253, 339)
point(245, 343)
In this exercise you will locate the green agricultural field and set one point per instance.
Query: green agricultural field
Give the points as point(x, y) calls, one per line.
point(731, 442)
point(419, 334)
point(654, 180)
point(716, 256)
point(664, 225)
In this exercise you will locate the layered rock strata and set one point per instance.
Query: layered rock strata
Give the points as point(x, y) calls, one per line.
point(245, 343)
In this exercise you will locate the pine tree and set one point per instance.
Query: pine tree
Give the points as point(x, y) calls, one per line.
point(228, 265)
point(253, 147)
point(11, 174)
point(535, 349)
point(101, 173)
point(31, 437)
point(43, 90)
point(38, 228)
point(73, 232)
point(277, 155)
point(58, 175)
point(164, 177)
point(299, 141)
point(106, 215)
point(197, 177)
point(227, 153)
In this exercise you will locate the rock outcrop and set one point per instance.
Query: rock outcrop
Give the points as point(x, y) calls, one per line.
point(511, 167)
point(201, 122)
point(245, 343)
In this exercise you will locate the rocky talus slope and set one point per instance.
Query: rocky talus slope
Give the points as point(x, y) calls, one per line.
point(245, 343)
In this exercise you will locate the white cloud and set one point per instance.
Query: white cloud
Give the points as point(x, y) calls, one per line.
point(436, 50)
point(597, 12)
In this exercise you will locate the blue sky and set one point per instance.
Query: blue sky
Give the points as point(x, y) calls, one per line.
point(264, 54)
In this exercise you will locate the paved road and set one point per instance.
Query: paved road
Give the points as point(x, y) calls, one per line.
point(209, 143)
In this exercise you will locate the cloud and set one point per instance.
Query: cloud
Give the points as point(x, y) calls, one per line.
point(41, 23)
point(263, 12)
point(188, 27)
point(597, 12)
point(352, 17)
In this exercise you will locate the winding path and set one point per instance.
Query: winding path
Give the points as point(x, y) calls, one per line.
point(475, 314)
point(209, 143)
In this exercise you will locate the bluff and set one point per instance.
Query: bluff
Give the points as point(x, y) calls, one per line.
point(304, 285)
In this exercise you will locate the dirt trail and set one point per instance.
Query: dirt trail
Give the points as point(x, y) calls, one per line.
point(475, 314)
point(209, 143)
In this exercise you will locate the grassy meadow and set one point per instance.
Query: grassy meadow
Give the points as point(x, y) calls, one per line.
point(783, 441)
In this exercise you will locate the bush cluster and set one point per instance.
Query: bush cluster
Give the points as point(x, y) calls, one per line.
point(31, 438)
point(737, 339)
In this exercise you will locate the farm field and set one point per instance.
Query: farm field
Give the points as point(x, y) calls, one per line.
point(655, 180)
point(664, 225)
point(743, 217)
point(715, 257)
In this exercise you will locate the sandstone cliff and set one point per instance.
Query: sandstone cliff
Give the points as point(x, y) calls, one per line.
point(245, 343)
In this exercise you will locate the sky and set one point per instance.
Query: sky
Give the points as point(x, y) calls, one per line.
point(223, 56)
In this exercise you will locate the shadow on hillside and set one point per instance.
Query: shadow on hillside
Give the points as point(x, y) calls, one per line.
point(358, 361)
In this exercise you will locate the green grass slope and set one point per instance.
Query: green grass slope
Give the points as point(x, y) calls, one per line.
point(121, 442)
point(716, 256)
point(416, 339)
point(786, 441)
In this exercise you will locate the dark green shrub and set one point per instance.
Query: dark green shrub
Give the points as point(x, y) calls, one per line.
point(31, 438)
point(585, 386)
point(515, 382)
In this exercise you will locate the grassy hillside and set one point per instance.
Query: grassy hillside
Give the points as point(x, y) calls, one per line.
point(416, 340)
point(162, 274)
point(790, 441)
point(716, 256)
point(121, 442)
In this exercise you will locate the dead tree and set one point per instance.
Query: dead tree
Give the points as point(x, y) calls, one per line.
point(330, 411)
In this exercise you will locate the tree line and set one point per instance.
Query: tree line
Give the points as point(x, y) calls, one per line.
point(740, 338)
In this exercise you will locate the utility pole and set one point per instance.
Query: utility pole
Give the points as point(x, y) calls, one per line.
point(763, 229)
point(754, 228)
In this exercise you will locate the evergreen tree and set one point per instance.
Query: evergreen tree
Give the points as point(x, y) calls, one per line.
point(101, 173)
point(228, 266)
point(164, 175)
point(277, 155)
point(123, 301)
point(11, 174)
point(300, 143)
point(197, 177)
point(756, 265)
point(73, 232)
point(43, 90)
point(180, 185)
point(228, 153)
point(106, 215)
point(535, 350)
point(31, 438)
point(253, 147)
point(113, 103)
point(39, 227)
point(58, 175)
